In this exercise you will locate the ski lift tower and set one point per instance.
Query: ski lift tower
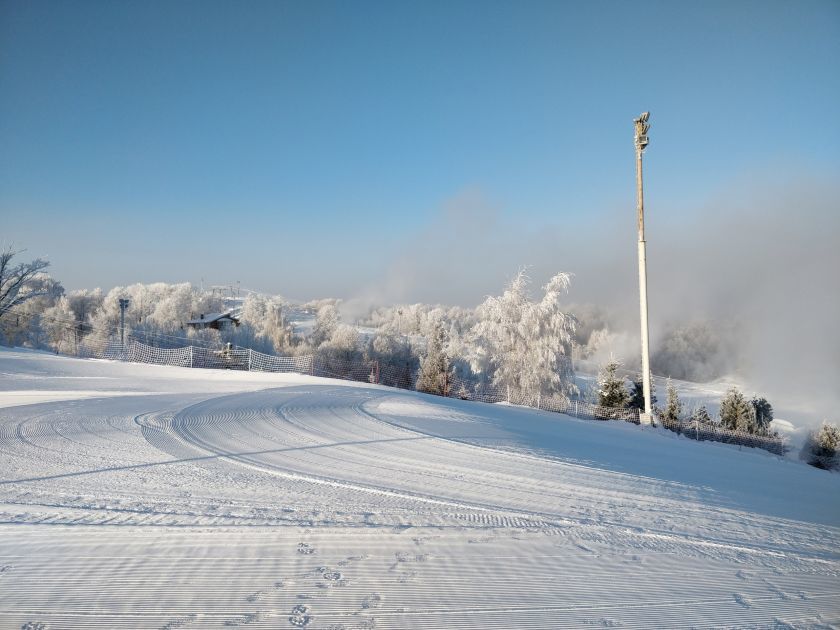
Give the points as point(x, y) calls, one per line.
point(641, 141)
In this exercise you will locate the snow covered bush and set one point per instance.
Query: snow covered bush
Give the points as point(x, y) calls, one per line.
point(821, 447)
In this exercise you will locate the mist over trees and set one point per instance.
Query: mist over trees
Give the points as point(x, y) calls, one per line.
point(523, 344)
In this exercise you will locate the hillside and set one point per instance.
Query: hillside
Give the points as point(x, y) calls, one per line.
point(136, 496)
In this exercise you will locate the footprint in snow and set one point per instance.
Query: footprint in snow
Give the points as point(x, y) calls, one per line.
point(374, 600)
point(305, 549)
point(243, 620)
point(300, 616)
point(742, 600)
point(603, 622)
point(33, 625)
point(177, 623)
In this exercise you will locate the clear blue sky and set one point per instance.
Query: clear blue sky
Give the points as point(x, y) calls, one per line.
point(302, 147)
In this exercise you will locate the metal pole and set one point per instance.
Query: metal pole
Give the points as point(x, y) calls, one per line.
point(641, 141)
point(123, 306)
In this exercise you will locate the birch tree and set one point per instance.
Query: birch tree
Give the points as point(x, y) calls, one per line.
point(527, 343)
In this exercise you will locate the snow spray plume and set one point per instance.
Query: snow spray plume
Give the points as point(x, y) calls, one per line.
point(754, 269)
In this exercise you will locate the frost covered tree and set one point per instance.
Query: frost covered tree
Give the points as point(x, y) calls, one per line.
point(822, 446)
point(22, 326)
point(611, 390)
point(68, 322)
point(434, 366)
point(265, 316)
point(58, 324)
point(395, 356)
point(670, 415)
point(326, 322)
point(736, 413)
point(701, 415)
point(18, 281)
point(526, 343)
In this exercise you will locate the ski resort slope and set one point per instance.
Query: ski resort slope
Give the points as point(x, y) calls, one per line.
point(136, 496)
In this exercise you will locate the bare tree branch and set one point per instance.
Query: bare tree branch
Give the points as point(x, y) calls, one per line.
point(16, 280)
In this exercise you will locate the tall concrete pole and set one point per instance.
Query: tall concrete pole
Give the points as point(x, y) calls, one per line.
point(641, 141)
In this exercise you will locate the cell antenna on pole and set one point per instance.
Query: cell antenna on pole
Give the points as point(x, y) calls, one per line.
point(641, 127)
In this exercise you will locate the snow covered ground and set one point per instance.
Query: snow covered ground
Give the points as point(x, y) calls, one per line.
point(135, 496)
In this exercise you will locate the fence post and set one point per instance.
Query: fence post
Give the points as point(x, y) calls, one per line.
point(576, 408)
point(249, 359)
point(191, 356)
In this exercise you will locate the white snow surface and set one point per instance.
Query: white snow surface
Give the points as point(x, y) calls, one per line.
point(136, 496)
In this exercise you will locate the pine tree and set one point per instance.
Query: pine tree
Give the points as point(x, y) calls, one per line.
point(763, 411)
point(702, 416)
point(670, 416)
point(611, 390)
point(435, 365)
point(736, 413)
point(637, 393)
point(821, 448)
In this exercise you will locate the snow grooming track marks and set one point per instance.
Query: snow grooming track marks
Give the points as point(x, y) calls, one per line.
point(359, 508)
point(334, 433)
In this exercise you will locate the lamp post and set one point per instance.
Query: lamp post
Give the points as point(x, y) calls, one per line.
point(641, 141)
point(123, 306)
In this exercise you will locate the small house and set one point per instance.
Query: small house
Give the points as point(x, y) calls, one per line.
point(217, 321)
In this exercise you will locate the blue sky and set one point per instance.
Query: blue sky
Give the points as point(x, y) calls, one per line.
point(304, 147)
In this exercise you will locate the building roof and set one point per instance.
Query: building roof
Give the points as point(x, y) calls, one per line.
point(209, 318)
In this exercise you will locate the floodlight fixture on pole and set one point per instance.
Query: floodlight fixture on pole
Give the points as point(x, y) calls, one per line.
point(641, 141)
point(123, 306)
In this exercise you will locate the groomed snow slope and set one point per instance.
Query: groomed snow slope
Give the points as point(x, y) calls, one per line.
point(140, 496)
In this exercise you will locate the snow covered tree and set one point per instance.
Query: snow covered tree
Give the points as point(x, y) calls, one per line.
point(68, 322)
point(434, 366)
point(526, 344)
point(670, 415)
point(18, 281)
point(326, 323)
point(701, 415)
point(22, 326)
point(397, 361)
point(265, 315)
point(822, 446)
point(58, 323)
point(736, 413)
point(611, 390)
